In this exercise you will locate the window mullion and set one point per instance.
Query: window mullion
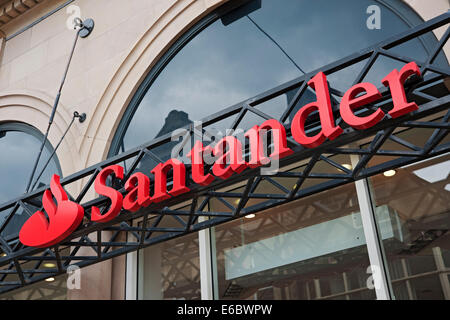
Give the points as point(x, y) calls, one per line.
point(373, 242)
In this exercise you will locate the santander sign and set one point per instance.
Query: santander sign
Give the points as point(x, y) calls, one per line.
point(64, 216)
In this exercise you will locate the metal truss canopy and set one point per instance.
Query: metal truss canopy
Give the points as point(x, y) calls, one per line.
point(95, 242)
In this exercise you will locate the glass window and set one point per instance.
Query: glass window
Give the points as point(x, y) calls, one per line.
point(62, 287)
point(20, 144)
point(54, 288)
point(170, 270)
point(418, 201)
point(312, 248)
point(247, 52)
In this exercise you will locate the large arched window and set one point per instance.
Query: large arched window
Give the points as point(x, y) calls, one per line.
point(19, 145)
point(228, 57)
point(232, 55)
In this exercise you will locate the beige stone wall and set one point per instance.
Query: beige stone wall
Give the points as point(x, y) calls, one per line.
point(429, 9)
point(107, 68)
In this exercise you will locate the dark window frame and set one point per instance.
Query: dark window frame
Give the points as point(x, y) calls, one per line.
point(31, 130)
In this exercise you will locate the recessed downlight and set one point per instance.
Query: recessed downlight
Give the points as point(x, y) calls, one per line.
point(49, 265)
point(250, 216)
point(389, 173)
point(51, 279)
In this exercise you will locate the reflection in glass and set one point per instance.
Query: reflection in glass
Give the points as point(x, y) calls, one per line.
point(419, 195)
point(55, 288)
point(228, 63)
point(313, 248)
point(20, 145)
point(170, 270)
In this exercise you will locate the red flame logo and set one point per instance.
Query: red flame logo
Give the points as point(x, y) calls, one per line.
point(63, 218)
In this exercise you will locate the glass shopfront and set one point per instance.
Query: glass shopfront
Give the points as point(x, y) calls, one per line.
point(51, 288)
point(314, 247)
point(419, 196)
point(170, 270)
point(54, 288)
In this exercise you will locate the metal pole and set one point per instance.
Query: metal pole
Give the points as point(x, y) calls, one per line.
point(81, 117)
point(85, 29)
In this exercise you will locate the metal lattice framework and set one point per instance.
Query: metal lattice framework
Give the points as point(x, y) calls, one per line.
point(190, 212)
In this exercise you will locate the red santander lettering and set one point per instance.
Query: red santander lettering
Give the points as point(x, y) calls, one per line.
point(65, 216)
point(102, 189)
point(179, 180)
point(351, 101)
point(323, 105)
point(138, 188)
point(255, 136)
point(198, 164)
point(395, 81)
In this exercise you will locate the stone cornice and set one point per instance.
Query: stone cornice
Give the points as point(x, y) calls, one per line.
point(11, 9)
